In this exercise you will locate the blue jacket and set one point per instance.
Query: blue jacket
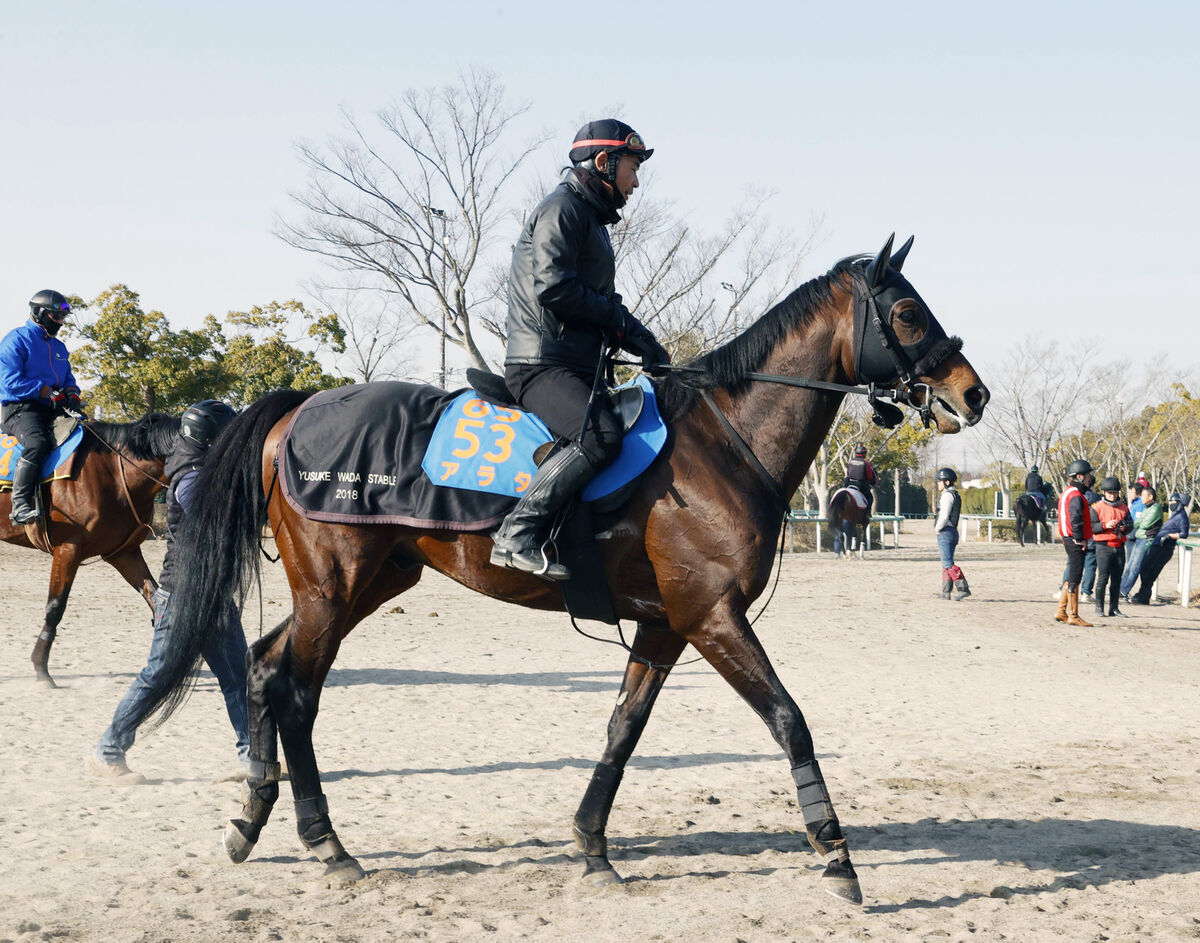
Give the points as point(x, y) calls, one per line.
point(1177, 523)
point(29, 359)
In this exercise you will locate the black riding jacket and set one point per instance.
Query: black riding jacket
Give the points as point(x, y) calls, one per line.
point(185, 460)
point(561, 300)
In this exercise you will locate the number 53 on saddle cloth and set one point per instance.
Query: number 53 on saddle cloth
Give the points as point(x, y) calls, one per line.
point(401, 453)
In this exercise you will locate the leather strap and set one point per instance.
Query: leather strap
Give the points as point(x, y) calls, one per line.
point(746, 452)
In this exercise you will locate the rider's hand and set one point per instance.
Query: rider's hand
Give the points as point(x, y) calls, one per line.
point(638, 340)
point(58, 397)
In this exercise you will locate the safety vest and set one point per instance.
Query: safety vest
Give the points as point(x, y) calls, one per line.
point(1064, 514)
point(1106, 512)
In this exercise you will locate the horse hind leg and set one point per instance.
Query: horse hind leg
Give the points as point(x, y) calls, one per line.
point(639, 689)
point(261, 789)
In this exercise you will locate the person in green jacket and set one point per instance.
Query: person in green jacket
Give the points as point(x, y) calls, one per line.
point(1145, 528)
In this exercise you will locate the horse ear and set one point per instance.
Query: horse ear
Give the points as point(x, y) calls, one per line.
point(898, 257)
point(877, 269)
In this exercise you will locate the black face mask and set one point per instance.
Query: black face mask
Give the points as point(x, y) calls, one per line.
point(1174, 506)
point(46, 323)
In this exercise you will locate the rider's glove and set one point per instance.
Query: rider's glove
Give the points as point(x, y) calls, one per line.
point(58, 397)
point(637, 339)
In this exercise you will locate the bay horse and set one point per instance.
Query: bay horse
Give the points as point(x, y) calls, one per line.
point(692, 550)
point(848, 522)
point(1027, 512)
point(104, 511)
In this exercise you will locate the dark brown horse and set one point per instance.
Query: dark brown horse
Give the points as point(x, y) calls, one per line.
point(104, 511)
point(848, 522)
point(692, 551)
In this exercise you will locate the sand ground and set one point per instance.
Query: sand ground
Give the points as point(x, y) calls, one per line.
point(1000, 777)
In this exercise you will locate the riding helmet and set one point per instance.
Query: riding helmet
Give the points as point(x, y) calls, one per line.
point(1081, 466)
point(203, 421)
point(1110, 484)
point(860, 451)
point(610, 135)
point(48, 309)
point(947, 474)
point(1033, 469)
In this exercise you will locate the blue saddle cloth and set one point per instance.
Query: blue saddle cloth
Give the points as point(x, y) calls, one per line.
point(11, 449)
point(481, 447)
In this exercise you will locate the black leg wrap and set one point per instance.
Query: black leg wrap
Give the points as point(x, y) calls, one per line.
point(592, 817)
point(820, 821)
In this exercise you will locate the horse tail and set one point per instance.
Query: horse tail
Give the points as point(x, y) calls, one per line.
point(217, 554)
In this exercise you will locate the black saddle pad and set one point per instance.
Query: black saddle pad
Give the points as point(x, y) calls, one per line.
point(352, 455)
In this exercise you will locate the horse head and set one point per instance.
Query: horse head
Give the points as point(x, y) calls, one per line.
point(899, 345)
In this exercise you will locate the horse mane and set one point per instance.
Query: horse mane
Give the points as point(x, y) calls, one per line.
point(727, 365)
point(152, 436)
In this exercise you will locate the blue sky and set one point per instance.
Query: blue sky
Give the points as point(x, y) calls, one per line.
point(1045, 155)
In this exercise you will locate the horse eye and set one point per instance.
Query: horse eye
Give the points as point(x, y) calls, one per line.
point(908, 317)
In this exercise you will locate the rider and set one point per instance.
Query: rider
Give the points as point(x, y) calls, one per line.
point(1035, 486)
point(946, 529)
point(225, 654)
point(860, 475)
point(35, 379)
point(1075, 528)
point(562, 315)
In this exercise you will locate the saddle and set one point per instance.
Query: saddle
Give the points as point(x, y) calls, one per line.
point(67, 434)
point(587, 594)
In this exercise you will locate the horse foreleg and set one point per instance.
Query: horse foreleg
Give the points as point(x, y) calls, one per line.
point(730, 645)
point(62, 575)
point(639, 689)
point(261, 789)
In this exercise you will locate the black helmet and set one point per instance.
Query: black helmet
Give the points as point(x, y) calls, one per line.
point(1081, 466)
point(610, 135)
point(1110, 484)
point(1033, 469)
point(860, 450)
point(48, 309)
point(203, 421)
point(947, 474)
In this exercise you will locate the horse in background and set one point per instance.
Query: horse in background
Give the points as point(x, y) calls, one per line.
point(1027, 512)
point(848, 519)
point(104, 510)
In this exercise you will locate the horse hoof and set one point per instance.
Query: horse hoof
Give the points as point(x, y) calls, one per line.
point(601, 877)
point(343, 872)
point(236, 845)
point(838, 883)
point(46, 681)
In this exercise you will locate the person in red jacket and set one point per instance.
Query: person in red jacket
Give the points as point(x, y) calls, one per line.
point(1075, 528)
point(1110, 525)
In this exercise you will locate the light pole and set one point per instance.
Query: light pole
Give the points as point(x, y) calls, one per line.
point(441, 215)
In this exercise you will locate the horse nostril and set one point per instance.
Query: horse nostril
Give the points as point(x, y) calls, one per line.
point(977, 396)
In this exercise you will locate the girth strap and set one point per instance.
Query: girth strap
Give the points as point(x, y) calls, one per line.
point(746, 452)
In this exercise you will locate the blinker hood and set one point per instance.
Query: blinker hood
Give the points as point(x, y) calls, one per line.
point(879, 357)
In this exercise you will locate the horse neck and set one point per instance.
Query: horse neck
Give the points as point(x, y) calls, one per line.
point(141, 475)
point(785, 425)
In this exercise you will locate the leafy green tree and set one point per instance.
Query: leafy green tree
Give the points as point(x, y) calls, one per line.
point(257, 356)
point(137, 362)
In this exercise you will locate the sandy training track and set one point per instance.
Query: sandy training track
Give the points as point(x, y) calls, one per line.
point(1000, 777)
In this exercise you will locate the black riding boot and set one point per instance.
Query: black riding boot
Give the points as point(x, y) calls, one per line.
point(519, 541)
point(25, 479)
point(963, 589)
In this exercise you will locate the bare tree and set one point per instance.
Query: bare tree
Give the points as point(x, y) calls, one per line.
point(378, 342)
point(414, 215)
point(1036, 397)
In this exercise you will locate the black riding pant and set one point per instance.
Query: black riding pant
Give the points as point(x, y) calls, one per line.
point(559, 397)
point(30, 422)
point(1156, 558)
point(1075, 554)
point(1110, 562)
